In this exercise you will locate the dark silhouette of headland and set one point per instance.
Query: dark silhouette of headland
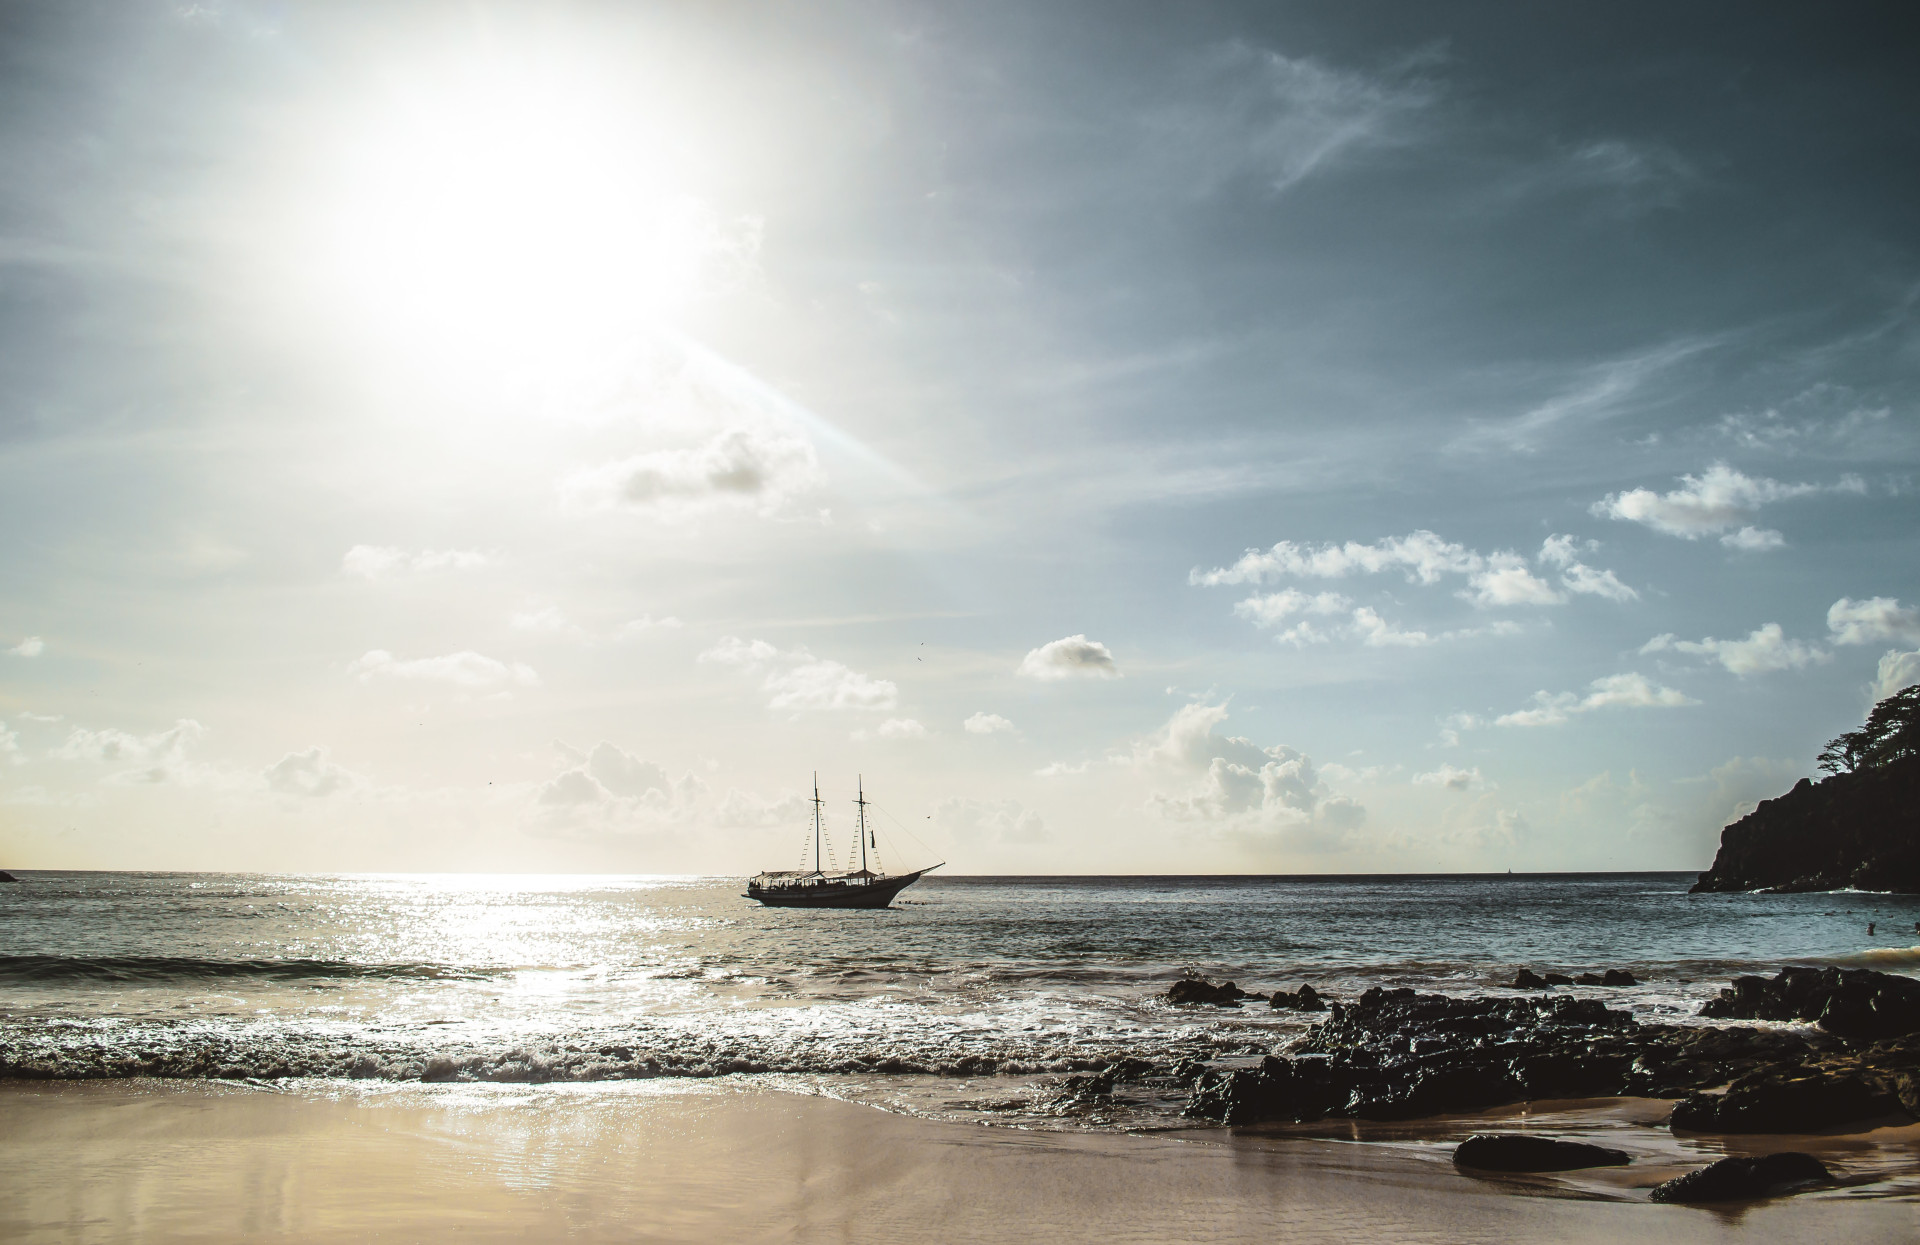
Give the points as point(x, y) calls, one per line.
point(1857, 828)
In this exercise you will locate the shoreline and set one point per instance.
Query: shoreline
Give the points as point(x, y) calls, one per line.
point(737, 1159)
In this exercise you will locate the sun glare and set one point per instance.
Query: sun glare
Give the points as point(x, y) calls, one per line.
point(500, 217)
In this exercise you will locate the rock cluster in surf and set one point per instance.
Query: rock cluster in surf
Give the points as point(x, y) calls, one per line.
point(1397, 1054)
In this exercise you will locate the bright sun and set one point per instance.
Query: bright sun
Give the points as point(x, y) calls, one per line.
point(501, 214)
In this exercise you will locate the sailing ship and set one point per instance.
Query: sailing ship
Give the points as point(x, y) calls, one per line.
point(816, 888)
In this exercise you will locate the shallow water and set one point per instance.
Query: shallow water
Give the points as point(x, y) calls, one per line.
point(591, 978)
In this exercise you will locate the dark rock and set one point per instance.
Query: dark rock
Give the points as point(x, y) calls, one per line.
point(1308, 1000)
point(1558, 979)
point(1589, 979)
point(1786, 1100)
point(1188, 1072)
point(1851, 830)
point(7, 877)
point(1743, 1179)
point(1525, 980)
point(1853, 1003)
point(1199, 990)
point(1618, 977)
point(1518, 1152)
point(1080, 1093)
point(1395, 1054)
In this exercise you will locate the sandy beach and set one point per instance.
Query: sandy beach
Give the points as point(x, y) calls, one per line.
point(736, 1161)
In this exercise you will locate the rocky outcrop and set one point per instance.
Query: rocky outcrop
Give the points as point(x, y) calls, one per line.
point(7, 877)
point(1741, 1179)
point(1395, 1054)
point(1517, 1152)
point(1851, 830)
point(1788, 1099)
point(1199, 990)
point(1527, 979)
point(1307, 1000)
point(1854, 1003)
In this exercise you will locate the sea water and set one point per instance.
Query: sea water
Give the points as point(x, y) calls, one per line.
point(998, 985)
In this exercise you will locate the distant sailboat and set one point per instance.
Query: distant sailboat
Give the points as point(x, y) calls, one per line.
point(815, 888)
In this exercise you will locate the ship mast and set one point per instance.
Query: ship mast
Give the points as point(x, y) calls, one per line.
point(816, 821)
point(861, 787)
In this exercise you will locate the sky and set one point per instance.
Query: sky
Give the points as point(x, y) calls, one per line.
point(1208, 438)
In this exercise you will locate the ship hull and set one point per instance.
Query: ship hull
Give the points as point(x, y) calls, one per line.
point(873, 895)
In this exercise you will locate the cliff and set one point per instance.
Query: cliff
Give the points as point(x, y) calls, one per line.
point(1859, 830)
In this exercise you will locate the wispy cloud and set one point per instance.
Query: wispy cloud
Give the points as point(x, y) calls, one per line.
point(466, 669)
point(1257, 114)
point(380, 561)
point(1600, 391)
point(1613, 691)
point(796, 681)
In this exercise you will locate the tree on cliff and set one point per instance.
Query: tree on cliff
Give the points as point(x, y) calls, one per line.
point(1892, 733)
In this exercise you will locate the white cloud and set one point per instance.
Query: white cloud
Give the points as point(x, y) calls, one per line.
point(309, 774)
point(1577, 576)
point(1873, 621)
point(1376, 632)
point(892, 728)
point(156, 758)
point(32, 646)
point(1452, 778)
point(1497, 579)
point(984, 723)
point(744, 808)
point(1363, 623)
point(1629, 691)
point(1505, 580)
point(1718, 498)
point(376, 561)
point(1270, 610)
point(1754, 540)
point(798, 681)
point(1066, 658)
point(990, 821)
point(1897, 671)
point(1423, 556)
point(466, 669)
point(640, 626)
point(545, 621)
point(1765, 650)
point(742, 468)
point(1237, 781)
point(612, 782)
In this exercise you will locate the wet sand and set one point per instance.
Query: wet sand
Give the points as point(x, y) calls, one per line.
point(734, 1161)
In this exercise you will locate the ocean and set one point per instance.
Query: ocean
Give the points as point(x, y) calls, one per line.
point(970, 998)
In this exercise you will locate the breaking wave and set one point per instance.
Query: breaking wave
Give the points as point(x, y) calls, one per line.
point(157, 969)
